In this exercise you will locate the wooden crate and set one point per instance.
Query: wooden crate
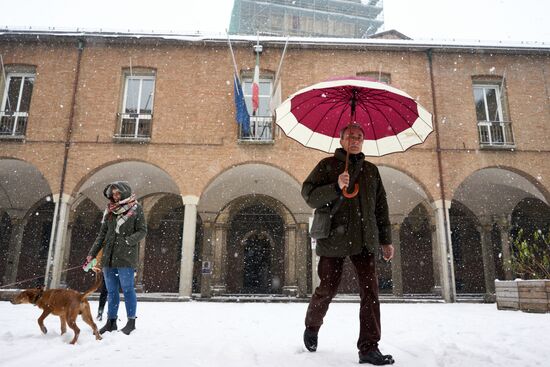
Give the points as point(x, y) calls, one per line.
point(507, 295)
point(525, 295)
point(533, 295)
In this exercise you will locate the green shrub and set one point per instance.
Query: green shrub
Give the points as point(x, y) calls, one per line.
point(530, 258)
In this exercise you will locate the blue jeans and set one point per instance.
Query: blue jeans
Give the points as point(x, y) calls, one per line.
point(123, 278)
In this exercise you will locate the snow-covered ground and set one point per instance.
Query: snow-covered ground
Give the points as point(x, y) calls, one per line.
point(270, 334)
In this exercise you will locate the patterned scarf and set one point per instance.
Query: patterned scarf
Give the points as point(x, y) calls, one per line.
point(123, 210)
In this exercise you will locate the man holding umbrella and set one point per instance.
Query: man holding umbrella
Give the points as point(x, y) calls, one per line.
point(359, 226)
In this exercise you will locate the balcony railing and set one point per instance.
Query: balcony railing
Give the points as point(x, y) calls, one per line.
point(134, 126)
point(13, 124)
point(495, 133)
point(260, 131)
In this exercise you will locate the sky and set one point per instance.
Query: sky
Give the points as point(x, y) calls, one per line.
point(487, 20)
point(210, 334)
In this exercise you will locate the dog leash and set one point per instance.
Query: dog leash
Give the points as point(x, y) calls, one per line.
point(42, 276)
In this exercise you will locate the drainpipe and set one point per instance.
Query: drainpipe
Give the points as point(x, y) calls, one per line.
point(448, 264)
point(68, 135)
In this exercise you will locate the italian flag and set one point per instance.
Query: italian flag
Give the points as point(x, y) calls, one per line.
point(256, 86)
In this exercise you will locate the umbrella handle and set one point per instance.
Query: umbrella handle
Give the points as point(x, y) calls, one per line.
point(350, 195)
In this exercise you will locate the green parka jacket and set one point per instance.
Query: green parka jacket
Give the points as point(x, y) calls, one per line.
point(361, 222)
point(120, 250)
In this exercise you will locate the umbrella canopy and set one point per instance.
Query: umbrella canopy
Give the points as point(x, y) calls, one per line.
point(391, 119)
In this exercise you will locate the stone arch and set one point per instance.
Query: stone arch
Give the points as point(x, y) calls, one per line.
point(256, 241)
point(405, 193)
point(530, 216)
point(480, 220)
point(26, 209)
point(263, 178)
point(417, 251)
point(163, 249)
point(84, 224)
point(222, 197)
point(467, 250)
point(258, 257)
point(148, 181)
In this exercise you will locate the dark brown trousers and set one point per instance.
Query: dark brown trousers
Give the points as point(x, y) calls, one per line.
point(330, 273)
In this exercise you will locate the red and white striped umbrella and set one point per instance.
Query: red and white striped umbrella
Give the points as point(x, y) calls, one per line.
point(391, 119)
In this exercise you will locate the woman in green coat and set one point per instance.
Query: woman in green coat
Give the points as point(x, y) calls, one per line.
point(122, 227)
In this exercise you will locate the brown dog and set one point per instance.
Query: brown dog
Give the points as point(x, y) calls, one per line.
point(65, 303)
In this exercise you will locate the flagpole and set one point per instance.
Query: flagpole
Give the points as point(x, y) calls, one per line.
point(278, 73)
point(256, 79)
point(5, 80)
point(233, 57)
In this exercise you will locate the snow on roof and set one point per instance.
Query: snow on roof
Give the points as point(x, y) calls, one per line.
point(310, 41)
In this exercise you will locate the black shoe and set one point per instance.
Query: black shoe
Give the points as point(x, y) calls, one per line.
point(130, 326)
point(109, 326)
point(376, 358)
point(99, 314)
point(310, 340)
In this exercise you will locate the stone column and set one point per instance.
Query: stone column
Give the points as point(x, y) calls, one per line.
point(315, 281)
point(290, 287)
point(206, 281)
point(188, 245)
point(436, 259)
point(488, 259)
point(14, 249)
point(504, 225)
point(66, 252)
point(57, 241)
point(301, 258)
point(219, 254)
point(396, 263)
point(140, 266)
point(443, 231)
point(147, 203)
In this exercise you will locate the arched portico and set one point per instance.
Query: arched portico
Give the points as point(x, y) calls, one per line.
point(26, 214)
point(481, 219)
point(151, 185)
point(256, 191)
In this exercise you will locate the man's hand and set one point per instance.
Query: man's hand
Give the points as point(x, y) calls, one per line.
point(387, 252)
point(343, 180)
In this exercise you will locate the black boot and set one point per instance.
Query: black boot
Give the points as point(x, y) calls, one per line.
point(99, 314)
point(130, 326)
point(376, 358)
point(310, 340)
point(109, 326)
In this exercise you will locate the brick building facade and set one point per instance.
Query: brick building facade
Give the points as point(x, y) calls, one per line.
point(224, 210)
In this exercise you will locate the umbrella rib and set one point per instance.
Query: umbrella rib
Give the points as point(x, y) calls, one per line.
point(327, 101)
point(301, 103)
point(406, 122)
point(334, 105)
point(336, 126)
point(361, 104)
point(382, 96)
point(389, 124)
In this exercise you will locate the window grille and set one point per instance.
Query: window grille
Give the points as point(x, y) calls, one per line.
point(16, 102)
point(136, 118)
